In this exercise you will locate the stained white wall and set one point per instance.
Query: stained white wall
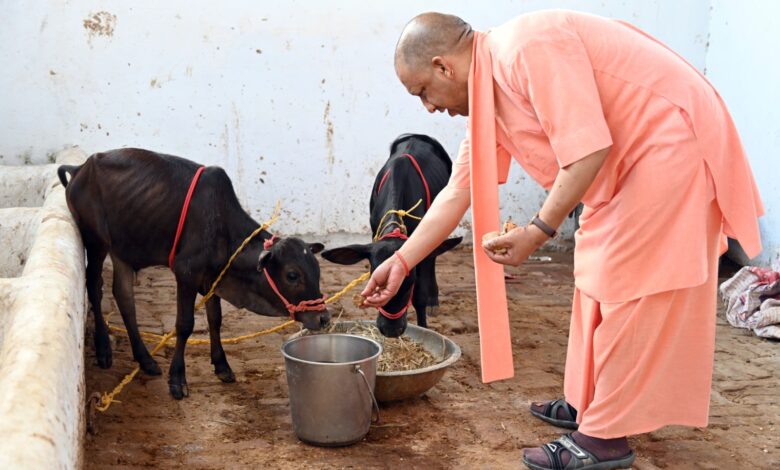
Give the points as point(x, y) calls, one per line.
point(742, 64)
point(298, 100)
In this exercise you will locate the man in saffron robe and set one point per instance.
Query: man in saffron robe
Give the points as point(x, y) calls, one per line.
point(596, 111)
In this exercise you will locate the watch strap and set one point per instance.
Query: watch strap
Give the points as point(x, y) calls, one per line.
point(551, 232)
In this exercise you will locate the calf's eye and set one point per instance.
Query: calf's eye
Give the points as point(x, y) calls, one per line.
point(292, 276)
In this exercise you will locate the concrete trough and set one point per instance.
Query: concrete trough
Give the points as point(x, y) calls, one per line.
point(42, 313)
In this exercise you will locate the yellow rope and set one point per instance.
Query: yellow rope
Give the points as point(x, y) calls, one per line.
point(352, 284)
point(108, 398)
point(401, 214)
point(259, 229)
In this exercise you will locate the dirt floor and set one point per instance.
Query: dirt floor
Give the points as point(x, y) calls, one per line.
point(460, 423)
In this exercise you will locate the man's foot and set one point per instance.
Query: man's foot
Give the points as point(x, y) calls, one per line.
point(579, 451)
point(556, 412)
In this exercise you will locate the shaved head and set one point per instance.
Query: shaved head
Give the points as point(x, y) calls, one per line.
point(429, 35)
point(433, 59)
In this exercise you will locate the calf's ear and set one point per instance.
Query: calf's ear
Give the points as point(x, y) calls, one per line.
point(349, 254)
point(263, 260)
point(445, 246)
point(316, 247)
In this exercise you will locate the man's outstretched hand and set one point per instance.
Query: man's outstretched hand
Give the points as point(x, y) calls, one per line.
point(384, 283)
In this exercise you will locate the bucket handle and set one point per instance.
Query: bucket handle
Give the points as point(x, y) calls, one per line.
point(358, 370)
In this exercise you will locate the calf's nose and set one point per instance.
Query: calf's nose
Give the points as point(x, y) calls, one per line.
point(324, 318)
point(391, 328)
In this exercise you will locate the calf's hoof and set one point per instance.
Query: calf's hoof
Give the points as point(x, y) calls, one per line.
point(226, 375)
point(150, 367)
point(432, 311)
point(104, 360)
point(179, 391)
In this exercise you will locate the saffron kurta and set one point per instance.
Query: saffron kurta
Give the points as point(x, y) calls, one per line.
point(565, 85)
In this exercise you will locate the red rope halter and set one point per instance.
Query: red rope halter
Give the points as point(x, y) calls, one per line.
point(399, 314)
point(315, 305)
point(183, 216)
point(382, 181)
point(396, 233)
point(267, 244)
point(422, 177)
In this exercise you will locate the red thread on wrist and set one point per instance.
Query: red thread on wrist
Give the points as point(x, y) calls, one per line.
point(403, 262)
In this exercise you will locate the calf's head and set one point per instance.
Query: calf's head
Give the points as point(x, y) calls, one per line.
point(268, 281)
point(389, 322)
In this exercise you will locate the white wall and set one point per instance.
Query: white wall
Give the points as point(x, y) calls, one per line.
point(742, 62)
point(297, 100)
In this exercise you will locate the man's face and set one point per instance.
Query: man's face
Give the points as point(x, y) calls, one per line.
point(437, 88)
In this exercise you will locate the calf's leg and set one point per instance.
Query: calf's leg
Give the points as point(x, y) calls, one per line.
point(185, 322)
point(218, 358)
point(96, 254)
point(124, 294)
point(426, 292)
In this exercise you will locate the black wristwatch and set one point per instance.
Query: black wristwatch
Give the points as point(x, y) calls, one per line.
point(551, 232)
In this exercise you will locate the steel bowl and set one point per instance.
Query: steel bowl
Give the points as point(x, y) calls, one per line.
point(400, 385)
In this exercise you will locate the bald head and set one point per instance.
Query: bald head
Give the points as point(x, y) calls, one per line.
point(429, 35)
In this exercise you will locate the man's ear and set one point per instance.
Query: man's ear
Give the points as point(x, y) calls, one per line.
point(349, 254)
point(445, 246)
point(441, 66)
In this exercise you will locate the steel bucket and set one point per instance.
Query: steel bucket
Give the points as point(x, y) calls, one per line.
point(331, 380)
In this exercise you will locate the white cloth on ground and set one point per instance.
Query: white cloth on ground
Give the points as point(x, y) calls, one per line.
point(752, 298)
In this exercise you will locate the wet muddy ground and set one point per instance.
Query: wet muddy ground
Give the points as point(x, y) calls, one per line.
point(460, 423)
